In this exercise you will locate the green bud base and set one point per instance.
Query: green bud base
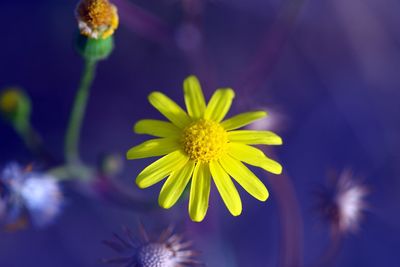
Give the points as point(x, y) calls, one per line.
point(94, 49)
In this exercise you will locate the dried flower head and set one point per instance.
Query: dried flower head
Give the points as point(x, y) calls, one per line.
point(27, 194)
point(343, 202)
point(168, 251)
point(97, 19)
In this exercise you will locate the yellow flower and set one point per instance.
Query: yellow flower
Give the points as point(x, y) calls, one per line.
point(199, 145)
point(9, 100)
point(97, 19)
point(15, 105)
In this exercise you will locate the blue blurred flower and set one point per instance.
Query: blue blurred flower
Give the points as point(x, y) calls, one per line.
point(25, 194)
point(168, 251)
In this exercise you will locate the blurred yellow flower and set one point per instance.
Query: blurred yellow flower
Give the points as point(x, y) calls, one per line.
point(97, 19)
point(198, 145)
point(9, 100)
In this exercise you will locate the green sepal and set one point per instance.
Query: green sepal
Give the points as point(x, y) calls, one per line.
point(94, 49)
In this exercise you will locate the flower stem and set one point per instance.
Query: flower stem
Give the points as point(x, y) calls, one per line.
point(69, 172)
point(32, 140)
point(78, 112)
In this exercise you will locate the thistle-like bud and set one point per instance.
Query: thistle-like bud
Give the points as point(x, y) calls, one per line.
point(97, 21)
point(343, 203)
point(170, 250)
point(15, 106)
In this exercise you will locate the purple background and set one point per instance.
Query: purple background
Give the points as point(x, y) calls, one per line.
point(331, 67)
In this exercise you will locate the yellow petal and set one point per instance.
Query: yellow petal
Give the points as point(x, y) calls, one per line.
point(175, 185)
point(219, 104)
point(153, 148)
point(199, 192)
point(244, 177)
point(242, 119)
point(169, 109)
point(157, 128)
point(254, 137)
point(253, 156)
point(226, 188)
point(194, 97)
point(161, 168)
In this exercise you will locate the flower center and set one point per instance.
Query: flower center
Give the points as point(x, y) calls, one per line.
point(204, 140)
point(155, 255)
point(97, 18)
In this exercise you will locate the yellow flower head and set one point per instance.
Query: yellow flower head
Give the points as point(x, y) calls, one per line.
point(198, 145)
point(97, 19)
point(9, 100)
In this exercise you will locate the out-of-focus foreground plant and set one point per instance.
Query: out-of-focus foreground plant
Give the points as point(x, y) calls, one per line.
point(97, 22)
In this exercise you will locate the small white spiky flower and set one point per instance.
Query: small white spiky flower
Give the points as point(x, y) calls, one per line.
point(343, 203)
point(170, 250)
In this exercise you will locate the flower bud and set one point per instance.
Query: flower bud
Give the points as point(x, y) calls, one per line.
point(111, 164)
point(97, 21)
point(15, 106)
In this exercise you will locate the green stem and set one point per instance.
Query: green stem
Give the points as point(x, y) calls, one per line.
point(30, 137)
point(78, 112)
point(69, 172)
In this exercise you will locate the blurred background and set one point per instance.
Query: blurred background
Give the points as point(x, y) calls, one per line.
point(328, 73)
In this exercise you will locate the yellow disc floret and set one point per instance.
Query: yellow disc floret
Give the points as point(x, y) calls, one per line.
point(204, 140)
point(97, 18)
